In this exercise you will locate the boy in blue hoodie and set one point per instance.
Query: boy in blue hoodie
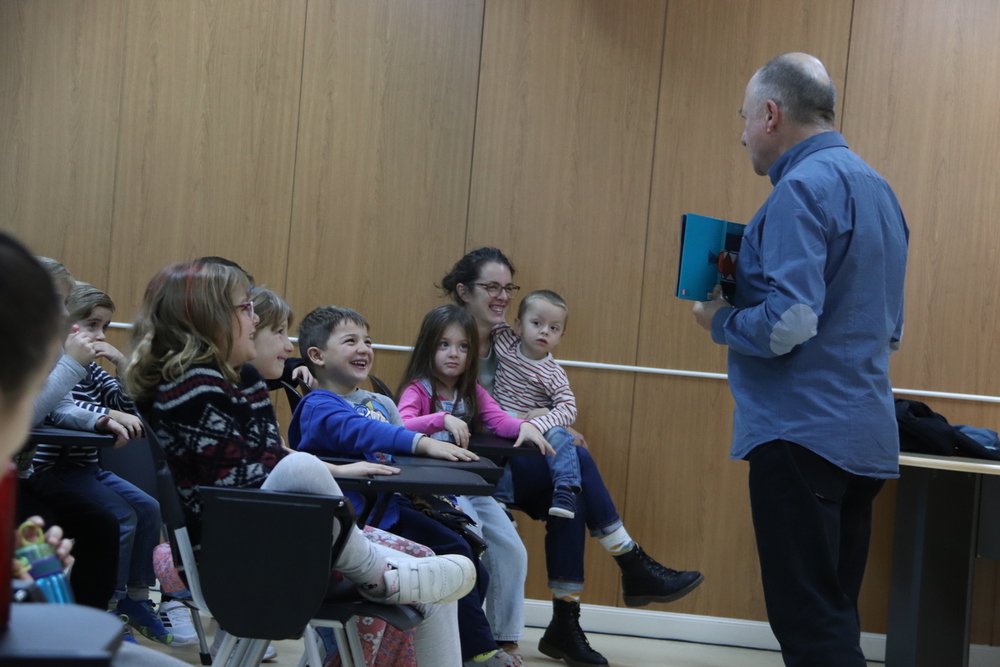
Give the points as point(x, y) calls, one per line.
point(334, 341)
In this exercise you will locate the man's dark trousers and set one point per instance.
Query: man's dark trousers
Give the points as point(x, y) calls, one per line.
point(813, 524)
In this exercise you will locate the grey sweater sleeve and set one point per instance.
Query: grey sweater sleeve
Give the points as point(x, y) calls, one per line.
point(55, 398)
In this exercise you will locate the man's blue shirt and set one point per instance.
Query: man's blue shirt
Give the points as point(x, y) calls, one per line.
point(818, 307)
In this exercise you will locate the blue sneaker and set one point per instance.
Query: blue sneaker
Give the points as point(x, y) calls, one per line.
point(142, 616)
point(563, 503)
point(129, 637)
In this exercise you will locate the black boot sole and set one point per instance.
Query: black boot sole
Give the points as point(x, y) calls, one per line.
point(643, 600)
point(557, 653)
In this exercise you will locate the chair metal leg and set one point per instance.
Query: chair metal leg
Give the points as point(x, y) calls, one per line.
point(199, 629)
point(225, 651)
point(255, 649)
point(311, 656)
point(354, 639)
point(343, 645)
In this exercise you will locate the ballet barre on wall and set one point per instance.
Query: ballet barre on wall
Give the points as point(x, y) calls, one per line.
point(682, 373)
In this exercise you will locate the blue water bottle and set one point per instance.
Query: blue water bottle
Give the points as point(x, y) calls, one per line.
point(42, 563)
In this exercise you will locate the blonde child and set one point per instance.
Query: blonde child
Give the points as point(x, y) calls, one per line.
point(530, 384)
point(197, 325)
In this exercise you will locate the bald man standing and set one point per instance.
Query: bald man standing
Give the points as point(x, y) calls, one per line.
point(817, 310)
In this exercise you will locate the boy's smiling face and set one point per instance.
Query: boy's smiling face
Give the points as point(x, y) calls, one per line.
point(347, 359)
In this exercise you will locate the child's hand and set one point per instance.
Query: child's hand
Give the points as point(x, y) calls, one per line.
point(530, 433)
point(54, 536)
point(458, 429)
point(362, 469)
point(79, 347)
point(436, 449)
point(578, 438)
point(108, 425)
point(303, 375)
point(104, 349)
point(537, 412)
point(132, 424)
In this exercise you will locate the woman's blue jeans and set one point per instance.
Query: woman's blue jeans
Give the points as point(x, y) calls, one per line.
point(564, 538)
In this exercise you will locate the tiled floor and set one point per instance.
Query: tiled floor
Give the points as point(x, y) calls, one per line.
point(620, 652)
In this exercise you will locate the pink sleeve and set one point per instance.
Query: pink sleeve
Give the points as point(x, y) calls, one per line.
point(414, 408)
point(493, 416)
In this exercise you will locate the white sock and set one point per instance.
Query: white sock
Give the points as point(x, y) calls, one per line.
point(617, 542)
point(137, 593)
point(566, 594)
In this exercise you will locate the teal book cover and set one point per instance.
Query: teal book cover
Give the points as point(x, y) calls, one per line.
point(709, 251)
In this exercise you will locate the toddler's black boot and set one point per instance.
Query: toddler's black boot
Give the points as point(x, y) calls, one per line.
point(644, 580)
point(564, 639)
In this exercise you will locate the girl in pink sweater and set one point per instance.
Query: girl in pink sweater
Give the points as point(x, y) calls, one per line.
point(440, 395)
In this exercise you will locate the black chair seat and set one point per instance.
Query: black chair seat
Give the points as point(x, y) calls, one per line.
point(263, 551)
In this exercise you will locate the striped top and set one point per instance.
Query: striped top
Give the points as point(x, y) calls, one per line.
point(523, 384)
point(98, 392)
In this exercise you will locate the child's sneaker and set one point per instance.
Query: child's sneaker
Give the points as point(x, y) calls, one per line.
point(563, 503)
point(498, 659)
point(427, 580)
point(142, 617)
point(176, 619)
point(129, 637)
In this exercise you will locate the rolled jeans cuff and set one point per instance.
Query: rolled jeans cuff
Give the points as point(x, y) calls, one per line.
point(601, 531)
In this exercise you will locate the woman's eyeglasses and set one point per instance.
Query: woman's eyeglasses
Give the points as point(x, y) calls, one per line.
point(493, 289)
point(246, 308)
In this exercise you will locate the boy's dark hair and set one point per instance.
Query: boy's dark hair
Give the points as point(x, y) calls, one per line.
point(317, 326)
point(545, 295)
point(34, 318)
point(466, 270)
point(84, 298)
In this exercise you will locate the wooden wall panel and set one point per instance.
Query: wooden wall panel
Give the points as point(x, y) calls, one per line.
point(385, 149)
point(712, 49)
point(921, 107)
point(680, 474)
point(60, 79)
point(560, 181)
point(687, 499)
point(563, 151)
point(205, 164)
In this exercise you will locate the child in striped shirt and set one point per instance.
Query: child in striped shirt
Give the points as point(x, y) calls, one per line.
point(531, 385)
point(138, 513)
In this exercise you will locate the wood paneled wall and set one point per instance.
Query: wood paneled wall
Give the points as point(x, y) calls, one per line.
point(348, 152)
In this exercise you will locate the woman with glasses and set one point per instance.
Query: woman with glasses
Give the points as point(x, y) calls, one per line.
point(482, 283)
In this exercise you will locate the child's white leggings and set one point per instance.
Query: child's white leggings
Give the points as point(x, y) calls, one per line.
point(361, 561)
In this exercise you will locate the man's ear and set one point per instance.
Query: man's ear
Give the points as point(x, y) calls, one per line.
point(773, 115)
point(315, 355)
